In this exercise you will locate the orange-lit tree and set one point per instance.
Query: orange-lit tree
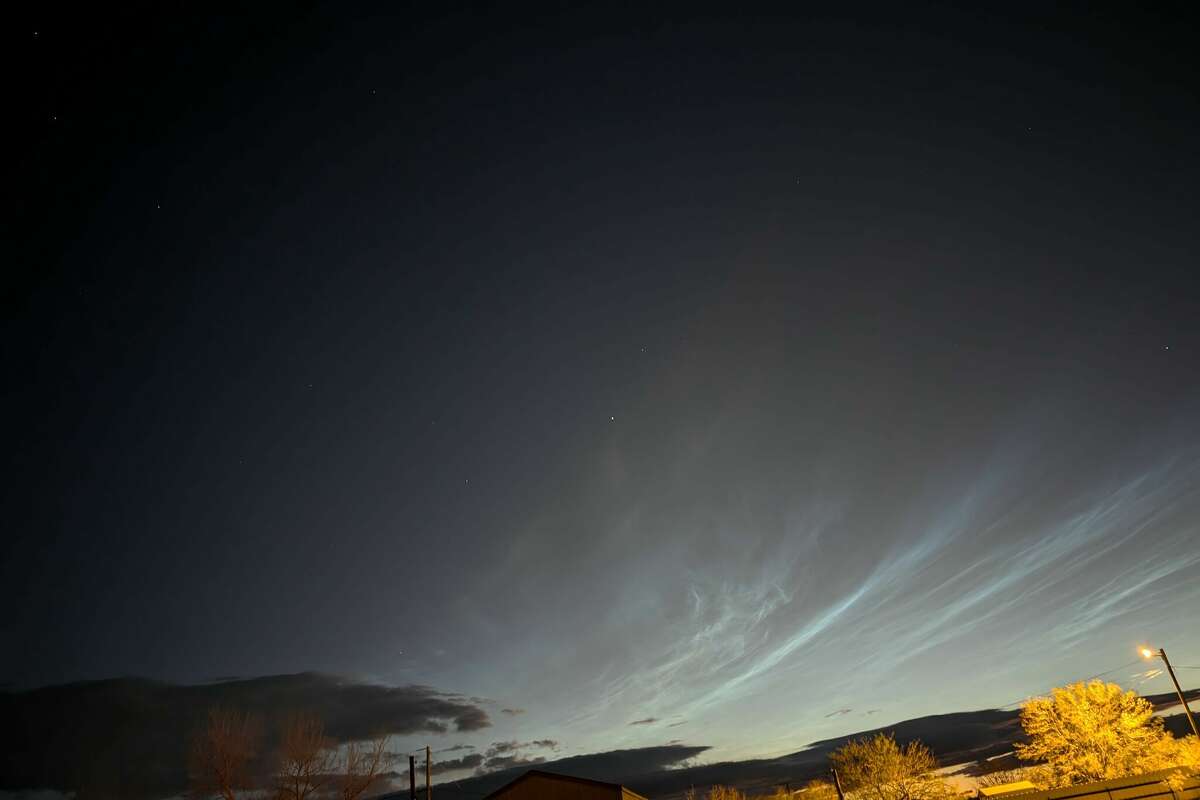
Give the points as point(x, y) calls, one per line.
point(879, 769)
point(716, 792)
point(223, 752)
point(817, 789)
point(307, 758)
point(1094, 731)
point(363, 765)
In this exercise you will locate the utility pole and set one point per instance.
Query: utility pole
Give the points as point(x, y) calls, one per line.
point(837, 781)
point(428, 772)
point(412, 778)
point(1186, 710)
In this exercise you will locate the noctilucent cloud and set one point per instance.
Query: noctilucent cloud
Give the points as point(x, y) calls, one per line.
point(735, 381)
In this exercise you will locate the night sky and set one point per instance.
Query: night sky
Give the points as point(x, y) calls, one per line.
point(736, 377)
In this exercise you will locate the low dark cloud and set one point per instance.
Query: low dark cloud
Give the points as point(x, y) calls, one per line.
point(511, 754)
point(456, 748)
point(512, 712)
point(838, 713)
point(621, 766)
point(617, 764)
point(513, 746)
point(646, 721)
point(498, 747)
point(51, 734)
point(509, 762)
point(469, 761)
point(677, 724)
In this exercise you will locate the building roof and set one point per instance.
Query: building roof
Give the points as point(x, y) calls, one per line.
point(1006, 788)
point(617, 789)
point(1148, 786)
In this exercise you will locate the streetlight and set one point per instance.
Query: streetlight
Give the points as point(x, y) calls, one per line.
point(1148, 653)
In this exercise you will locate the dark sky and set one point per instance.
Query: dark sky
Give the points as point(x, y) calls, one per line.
point(720, 368)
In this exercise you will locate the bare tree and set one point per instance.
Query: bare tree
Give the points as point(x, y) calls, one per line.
point(222, 753)
point(362, 765)
point(307, 758)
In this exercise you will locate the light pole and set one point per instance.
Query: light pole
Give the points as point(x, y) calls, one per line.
point(1148, 653)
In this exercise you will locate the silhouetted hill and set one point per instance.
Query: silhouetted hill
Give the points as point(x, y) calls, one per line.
point(954, 738)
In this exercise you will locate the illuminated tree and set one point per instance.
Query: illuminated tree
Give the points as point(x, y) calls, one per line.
point(716, 792)
point(1187, 754)
point(817, 789)
point(222, 753)
point(1091, 732)
point(879, 769)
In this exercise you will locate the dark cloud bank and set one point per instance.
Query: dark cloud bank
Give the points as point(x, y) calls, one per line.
point(129, 737)
point(641, 766)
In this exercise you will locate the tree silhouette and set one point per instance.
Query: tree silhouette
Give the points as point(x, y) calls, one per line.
point(222, 753)
point(307, 758)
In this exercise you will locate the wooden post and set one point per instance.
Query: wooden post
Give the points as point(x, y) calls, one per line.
point(428, 772)
point(837, 781)
point(412, 778)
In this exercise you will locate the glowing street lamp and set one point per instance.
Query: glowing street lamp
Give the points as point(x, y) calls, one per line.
point(1148, 653)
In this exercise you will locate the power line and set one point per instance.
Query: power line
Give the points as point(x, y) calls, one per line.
point(1088, 678)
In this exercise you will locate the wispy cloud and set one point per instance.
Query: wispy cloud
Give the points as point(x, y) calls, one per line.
point(999, 545)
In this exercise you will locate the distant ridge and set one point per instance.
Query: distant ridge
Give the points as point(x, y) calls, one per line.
point(956, 738)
